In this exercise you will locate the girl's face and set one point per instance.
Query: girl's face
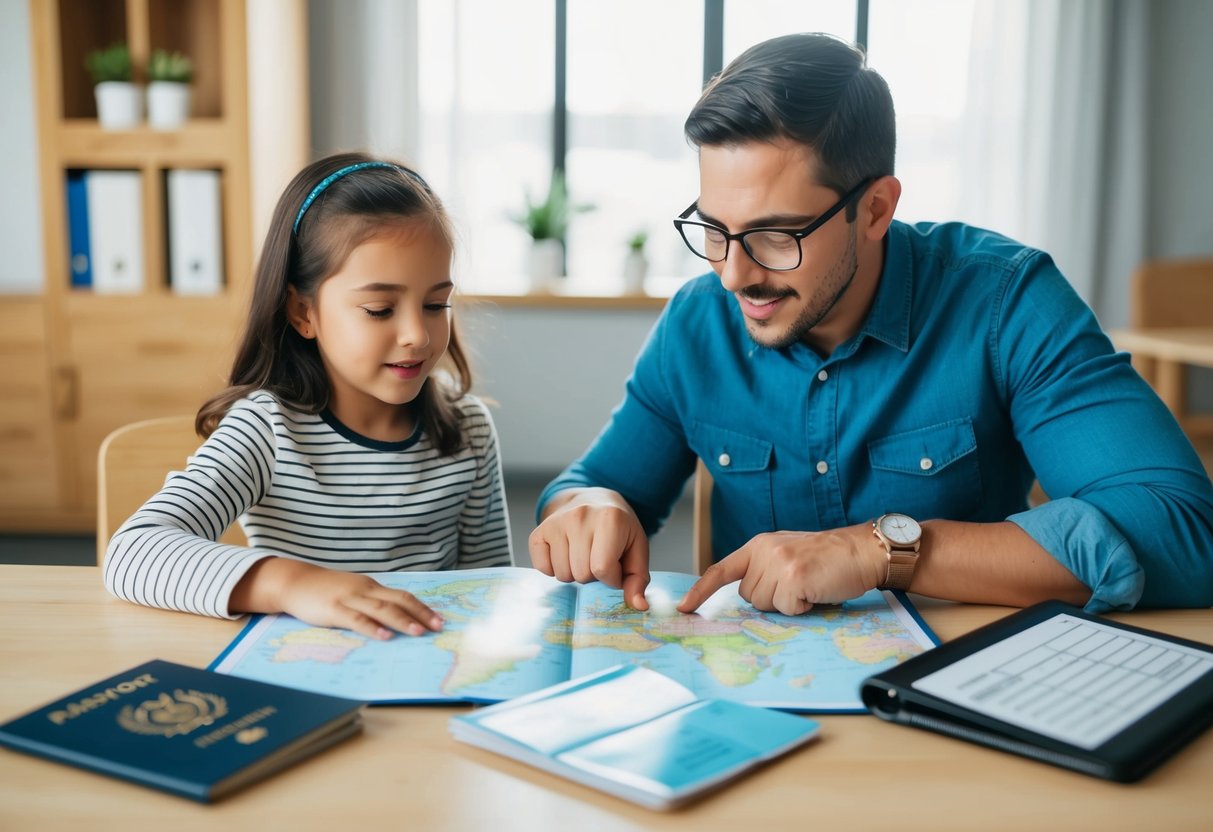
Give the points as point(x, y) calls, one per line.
point(381, 322)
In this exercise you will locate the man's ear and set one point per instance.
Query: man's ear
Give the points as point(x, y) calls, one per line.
point(299, 313)
point(877, 205)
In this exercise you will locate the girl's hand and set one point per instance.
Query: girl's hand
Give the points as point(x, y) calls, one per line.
point(329, 598)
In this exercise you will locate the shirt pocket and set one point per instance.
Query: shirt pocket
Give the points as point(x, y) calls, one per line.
point(740, 466)
point(930, 472)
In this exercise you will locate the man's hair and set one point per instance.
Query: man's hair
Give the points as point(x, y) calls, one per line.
point(811, 88)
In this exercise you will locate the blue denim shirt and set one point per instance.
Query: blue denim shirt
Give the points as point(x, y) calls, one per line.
point(978, 368)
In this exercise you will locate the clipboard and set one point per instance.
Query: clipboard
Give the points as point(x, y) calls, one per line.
point(1058, 685)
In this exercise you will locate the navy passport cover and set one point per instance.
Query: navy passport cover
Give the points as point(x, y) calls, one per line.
point(191, 732)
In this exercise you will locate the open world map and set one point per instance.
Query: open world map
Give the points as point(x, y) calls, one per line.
point(510, 631)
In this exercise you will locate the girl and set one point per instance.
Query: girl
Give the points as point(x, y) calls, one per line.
point(336, 446)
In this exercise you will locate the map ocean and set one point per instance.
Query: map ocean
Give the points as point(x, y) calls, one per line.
point(510, 631)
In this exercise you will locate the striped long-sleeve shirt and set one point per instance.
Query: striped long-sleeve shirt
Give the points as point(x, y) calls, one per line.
point(307, 487)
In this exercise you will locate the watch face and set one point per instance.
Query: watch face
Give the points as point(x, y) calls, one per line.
point(900, 529)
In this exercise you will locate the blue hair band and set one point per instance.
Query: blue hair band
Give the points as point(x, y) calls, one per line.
point(346, 171)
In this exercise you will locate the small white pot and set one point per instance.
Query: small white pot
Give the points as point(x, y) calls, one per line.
point(635, 270)
point(545, 264)
point(168, 104)
point(119, 105)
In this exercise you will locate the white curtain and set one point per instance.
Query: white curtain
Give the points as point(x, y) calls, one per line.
point(1054, 151)
point(363, 76)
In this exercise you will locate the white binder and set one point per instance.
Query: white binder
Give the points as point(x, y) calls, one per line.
point(115, 222)
point(195, 232)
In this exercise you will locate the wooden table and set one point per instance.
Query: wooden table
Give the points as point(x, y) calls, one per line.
point(1161, 355)
point(60, 630)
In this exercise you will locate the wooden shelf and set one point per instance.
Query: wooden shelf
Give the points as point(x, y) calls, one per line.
point(84, 363)
point(200, 143)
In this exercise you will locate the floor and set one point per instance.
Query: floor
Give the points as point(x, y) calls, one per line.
point(670, 550)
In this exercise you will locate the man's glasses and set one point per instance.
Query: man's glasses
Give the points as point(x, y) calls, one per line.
point(777, 249)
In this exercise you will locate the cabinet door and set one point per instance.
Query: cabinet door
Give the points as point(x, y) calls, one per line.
point(141, 357)
point(29, 480)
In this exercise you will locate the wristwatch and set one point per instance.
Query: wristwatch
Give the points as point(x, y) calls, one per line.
point(900, 535)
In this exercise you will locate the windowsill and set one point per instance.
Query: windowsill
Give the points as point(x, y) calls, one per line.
point(579, 294)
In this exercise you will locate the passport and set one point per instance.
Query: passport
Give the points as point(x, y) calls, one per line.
point(190, 732)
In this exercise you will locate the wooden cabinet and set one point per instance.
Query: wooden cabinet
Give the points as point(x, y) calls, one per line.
point(80, 363)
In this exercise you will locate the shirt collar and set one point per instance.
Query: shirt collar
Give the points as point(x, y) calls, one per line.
point(889, 319)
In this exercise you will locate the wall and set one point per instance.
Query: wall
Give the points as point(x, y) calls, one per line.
point(1181, 197)
point(555, 375)
point(1181, 172)
point(21, 263)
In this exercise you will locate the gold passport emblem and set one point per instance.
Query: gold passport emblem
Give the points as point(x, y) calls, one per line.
point(171, 716)
point(250, 735)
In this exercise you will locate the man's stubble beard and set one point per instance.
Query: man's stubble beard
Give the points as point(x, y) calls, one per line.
point(826, 296)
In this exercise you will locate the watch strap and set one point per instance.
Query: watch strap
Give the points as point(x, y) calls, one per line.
point(899, 575)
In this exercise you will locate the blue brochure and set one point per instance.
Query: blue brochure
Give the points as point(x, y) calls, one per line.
point(634, 733)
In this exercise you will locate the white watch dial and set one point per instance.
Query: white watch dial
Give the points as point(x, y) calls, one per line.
point(900, 529)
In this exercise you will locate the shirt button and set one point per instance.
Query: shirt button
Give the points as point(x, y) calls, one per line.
point(926, 464)
point(823, 375)
point(724, 460)
point(822, 467)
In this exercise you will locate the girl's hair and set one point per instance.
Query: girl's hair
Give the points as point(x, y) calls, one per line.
point(347, 211)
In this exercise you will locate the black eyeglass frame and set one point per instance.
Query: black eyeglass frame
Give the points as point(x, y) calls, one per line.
point(799, 235)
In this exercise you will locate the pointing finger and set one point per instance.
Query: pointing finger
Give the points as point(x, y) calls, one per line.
point(635, 563)
point(731, 568)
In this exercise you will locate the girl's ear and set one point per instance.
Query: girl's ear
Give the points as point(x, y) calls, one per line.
point(299, 313)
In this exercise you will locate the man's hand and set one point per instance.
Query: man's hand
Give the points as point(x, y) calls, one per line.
point(789, 572)
point(593, 534)
point(328, 598)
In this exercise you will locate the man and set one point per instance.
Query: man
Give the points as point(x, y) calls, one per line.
point(873, 399)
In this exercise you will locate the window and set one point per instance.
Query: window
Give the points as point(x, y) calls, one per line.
point(629, 90)
point(485, 78)
point(511, 91)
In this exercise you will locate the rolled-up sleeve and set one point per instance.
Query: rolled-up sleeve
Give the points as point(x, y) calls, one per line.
point(642, 452)
point(1131, 509)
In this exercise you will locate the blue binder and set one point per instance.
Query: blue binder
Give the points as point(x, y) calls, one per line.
point(77, 224)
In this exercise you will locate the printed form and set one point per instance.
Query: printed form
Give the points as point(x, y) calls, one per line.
point(1074, 680)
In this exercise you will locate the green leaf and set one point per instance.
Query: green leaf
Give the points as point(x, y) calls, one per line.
point(112, 63)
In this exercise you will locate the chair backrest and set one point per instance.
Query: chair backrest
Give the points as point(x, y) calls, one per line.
point(132, 465)
point(701, 522)
point(1172, 293)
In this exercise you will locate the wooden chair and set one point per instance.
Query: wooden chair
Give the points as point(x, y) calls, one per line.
point(132, 465)
point(701, 519)
point(1172, 293)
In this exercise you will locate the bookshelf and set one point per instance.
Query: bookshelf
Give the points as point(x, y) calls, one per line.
point(86, 362)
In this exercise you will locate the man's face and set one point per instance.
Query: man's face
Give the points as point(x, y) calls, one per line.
point(770, 185)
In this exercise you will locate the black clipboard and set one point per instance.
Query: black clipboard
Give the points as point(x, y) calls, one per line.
point(1128, 755)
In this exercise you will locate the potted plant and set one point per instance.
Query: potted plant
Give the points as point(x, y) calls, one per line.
point(636, 264)
point(168, 93)
point(548, 222)
point(118, 100)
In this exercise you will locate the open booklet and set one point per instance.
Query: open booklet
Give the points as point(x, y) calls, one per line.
point(511, 631)
point(635, 734)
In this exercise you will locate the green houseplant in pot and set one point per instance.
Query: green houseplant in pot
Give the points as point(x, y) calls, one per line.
point(636, 264)
point(168, 93)
point(119, 105)
point(547, 222)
